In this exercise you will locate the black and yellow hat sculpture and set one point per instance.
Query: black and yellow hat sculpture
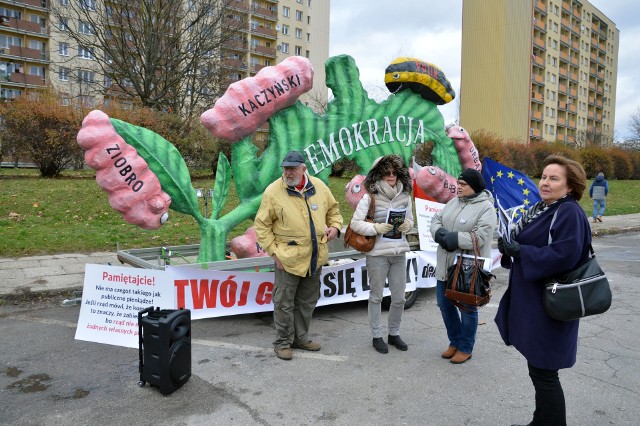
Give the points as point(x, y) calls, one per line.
point(421, 77)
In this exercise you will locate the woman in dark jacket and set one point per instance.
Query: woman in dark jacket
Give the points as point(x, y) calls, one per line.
point(547, 344)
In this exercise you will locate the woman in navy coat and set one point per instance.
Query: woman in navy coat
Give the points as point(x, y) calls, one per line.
point(547, 344)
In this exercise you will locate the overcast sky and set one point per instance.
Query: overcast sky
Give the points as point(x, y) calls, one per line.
point(374, 33)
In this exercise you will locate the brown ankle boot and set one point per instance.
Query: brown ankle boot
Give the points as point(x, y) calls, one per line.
point(460, 358)
point(449, 353)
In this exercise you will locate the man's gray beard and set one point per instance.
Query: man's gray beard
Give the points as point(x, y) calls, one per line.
point(293, 181)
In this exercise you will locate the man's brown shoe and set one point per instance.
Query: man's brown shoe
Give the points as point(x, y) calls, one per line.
point(284, 353)
point(449, 353)
point(460, 358)
point(599, 218)
point(309, 346)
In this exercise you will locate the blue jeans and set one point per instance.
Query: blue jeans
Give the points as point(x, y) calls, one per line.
point(601, 204)
point(461, 325)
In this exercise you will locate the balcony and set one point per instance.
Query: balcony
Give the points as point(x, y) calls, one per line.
point(573, 77)
point(572, 108)
point(539, 61)
point(541, 7)
point(241, 5)
point(265, 13)
point(535, 133)
point(598, 103)
point(20, 25)
point(575, 45)
point(592, 85)
point(236, 45)
point(600, 75)
point(563, 72)
point(234, 64)
point(26, 53)
point(573, 93)
point(562, 88)
point(26, 79)
point(598, 116)
point(536, 115)
point(591, 115)
point(592, 100)
point(574, 61)
point(566, 7)
point(537, 78)
point(572, 124)
point(537, 97)
point(562, 105)
point(541, 25)
point(257, 67)
point(564, 39)
point(265, 32)
point(564, 56)
point(36, 4)
point(562, 121)
point(264, 50)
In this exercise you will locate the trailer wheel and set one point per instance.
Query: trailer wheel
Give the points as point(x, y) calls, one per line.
point(410, 298)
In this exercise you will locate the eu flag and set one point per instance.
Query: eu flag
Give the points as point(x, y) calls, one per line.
point(512, 189)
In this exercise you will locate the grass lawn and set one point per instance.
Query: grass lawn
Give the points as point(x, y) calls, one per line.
point(72, 214)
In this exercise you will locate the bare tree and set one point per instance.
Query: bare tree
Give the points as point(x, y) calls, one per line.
point(163, 54)
point(593, 137)
point(635, 124)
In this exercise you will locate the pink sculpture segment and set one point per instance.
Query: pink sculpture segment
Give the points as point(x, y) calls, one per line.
point(248, 103)
point(467, 151)
point(134, 190)
point(246, 245)
point(437, 183)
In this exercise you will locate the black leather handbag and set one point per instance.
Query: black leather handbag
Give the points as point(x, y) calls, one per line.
point(468, 284)
point(582, 292)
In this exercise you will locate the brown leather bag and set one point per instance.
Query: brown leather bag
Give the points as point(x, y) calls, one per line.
point(362, 243)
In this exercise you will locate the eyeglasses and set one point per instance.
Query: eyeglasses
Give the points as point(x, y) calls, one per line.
point(391, 173)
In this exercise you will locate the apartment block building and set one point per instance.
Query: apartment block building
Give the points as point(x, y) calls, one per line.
point(24, 46)
point(35, 51)
point(536, 70)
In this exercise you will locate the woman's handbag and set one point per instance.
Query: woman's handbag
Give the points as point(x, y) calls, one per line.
point(362, 243)
point(582, 292)
point(467, 283)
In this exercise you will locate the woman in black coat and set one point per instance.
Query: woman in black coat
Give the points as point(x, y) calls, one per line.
point(547, 344)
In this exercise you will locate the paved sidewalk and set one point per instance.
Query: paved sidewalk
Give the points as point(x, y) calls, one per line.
point(65, 272)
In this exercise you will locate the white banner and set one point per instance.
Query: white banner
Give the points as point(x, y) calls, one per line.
point(113, 295)
point(425, 210)
point(111, 299)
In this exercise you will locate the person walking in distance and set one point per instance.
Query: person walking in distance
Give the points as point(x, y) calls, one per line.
point(598, 191)
point(297, 217)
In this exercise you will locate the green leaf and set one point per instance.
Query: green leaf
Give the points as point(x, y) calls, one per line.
point(166, 162)
point(221, 187)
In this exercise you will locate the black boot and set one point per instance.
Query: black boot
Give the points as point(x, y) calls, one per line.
point(397, 342)
point(380, 345)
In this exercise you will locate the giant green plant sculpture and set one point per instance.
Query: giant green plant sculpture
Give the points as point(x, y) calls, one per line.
point(353, 127)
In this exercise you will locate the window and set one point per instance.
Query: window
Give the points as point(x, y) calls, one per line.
point(88, 4)
point(308, 20)
point(285, 30)
point(555, 44)
point(309, 3)
point(10, 13)
point(309, 37)
point(8, 41)
point(85, 53)
point(64, 2)
point(85, 27)
point(297, 51)
point(285, 47)
point(36, 70)
point(88, 101)
point(554, 62)
point(286, 12)
point(63, 74)
point(86, 76)
point(555, 27)
point(63, 49)
point(63, 25)
point(298, 15)
point(308, 54)
point(552, 130)
point(298, 33)
point(108, 81)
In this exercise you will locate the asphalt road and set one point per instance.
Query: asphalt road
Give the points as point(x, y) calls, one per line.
point(48, 378)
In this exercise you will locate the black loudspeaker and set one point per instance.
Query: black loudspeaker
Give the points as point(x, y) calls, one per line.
point(164, 348)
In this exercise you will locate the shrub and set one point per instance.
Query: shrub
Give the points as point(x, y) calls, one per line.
point(42, 131)
point(422, 154)
point(595, 160)
point(489, 145)
point(622, 165)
